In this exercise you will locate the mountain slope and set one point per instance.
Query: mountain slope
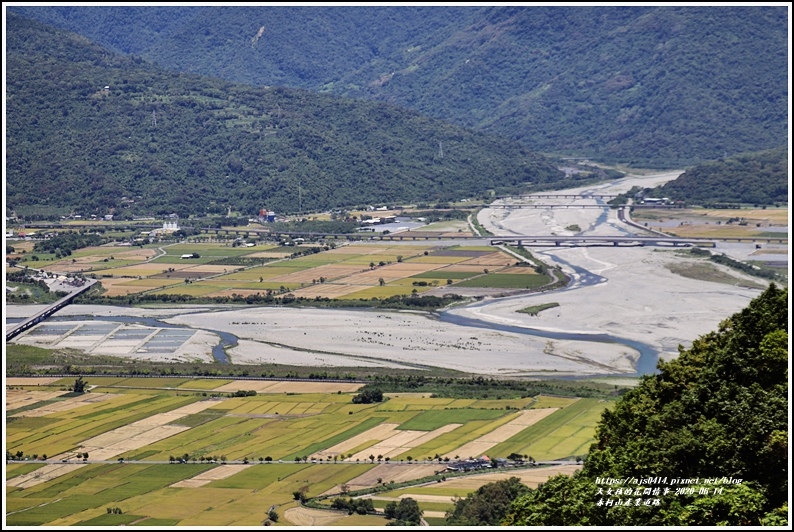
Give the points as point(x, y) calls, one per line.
point(91, 131)
point(668, 85)
point(759, 178)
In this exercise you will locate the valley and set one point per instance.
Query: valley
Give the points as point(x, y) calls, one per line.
point(659, 298)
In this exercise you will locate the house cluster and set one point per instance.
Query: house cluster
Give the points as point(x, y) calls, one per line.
point(655, 201)
point(265, 216)
point(170, 225)
point(378, 220)
point(482, 462)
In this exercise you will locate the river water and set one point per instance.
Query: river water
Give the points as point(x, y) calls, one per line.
point(646, 364)
point(582, 278)
point(227, 340)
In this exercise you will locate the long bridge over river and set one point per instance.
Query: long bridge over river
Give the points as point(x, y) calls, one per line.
point(571, 240)
point(23, 326)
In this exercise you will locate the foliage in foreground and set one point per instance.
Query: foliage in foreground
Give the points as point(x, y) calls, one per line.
point(719, 411)
point(404, 513)
point(488, 505)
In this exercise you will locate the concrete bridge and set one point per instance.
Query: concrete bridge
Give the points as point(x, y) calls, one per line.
point(564, 196)
point(661, 239)
point(575, 206)
point(614, 240)
point(47, 312)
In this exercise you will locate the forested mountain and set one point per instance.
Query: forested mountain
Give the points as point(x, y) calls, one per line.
point(758, 178)
point(713, 421)
point(667, 85)
point(96, 132)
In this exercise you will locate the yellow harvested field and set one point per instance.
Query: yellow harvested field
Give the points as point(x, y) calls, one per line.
point(410, 268)
point(403, 441)
point(389, 273)
point(269, 255)
point(289, 386)
point(123, 287)
point(152, 429)
point(124, 439)
point(492, 259)
point(357, 250)
point(777, 216)
point(206, 268)
point(19, 398)
point(770, 252)
point(416, 496)
point(501, 433)
point(328, 290)
point(300, 516)
point(712, 231)
point(67, 404)
point(328, 271)
point(388, 472)
point(381, 432)
point(466, 268)
point(42, 474)
point(136, 254)
point(216, 473)
point(531, 477)
point(518, 270)
point(229, 292)
point(67, 267)
point(144, 269)
point(30, 381)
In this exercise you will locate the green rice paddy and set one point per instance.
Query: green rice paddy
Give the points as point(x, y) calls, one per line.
point(278, 426)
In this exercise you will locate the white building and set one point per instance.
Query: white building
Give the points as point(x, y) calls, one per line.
point(171, 225)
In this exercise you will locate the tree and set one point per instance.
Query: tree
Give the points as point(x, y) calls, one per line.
point(718, 410)
point(488, 505)
point(381, 282)
point(272, 514)
point(79, 385)
point(406, 513)
point(368, 396)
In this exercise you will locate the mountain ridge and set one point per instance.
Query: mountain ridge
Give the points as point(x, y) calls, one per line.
point(660, 85)
point(88, 129)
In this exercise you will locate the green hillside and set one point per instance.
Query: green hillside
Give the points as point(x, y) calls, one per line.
point(760, 178)
point(707, 437)
point(662, 85)
point(95, 132)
